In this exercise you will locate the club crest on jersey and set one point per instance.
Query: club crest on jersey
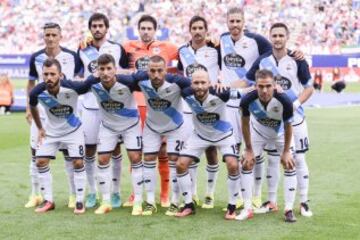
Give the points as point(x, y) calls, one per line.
point(142, 64)
point(212, 103)
point(120, 92)
point(67, 95)
point(112, 106)
point(283, 82)
point(194, 67)
point(61, 111)
point(234, 60)
point(92, 66)
point(158, 104)
point(275, 109)
point(208, 118)
point(168, 90)
point(156, 50)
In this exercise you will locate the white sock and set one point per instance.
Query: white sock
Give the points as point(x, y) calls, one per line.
point(247, 180)
point(233, 188)
point(302, 174)
point(80, 183)
point(116, 173)
point(90, 169)
point(150, 180)
point(45, 181)
point(175, 191)
point(69, 168)
point(193, 174)
point(184, 181)
point(137, 181)
point(289, 188)
point(212, 173)
point(34, 175)
point(104, 177)
point(258, 175)
point(273, 175)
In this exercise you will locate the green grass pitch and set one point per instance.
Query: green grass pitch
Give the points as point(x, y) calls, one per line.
point(334, 163)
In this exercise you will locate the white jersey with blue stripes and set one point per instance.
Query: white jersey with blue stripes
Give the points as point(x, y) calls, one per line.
point(89, 56)
point(117, 105)
point(292, 75)
point(164, 105)
point(267, 120)
point(237, 57)
point(210, 116)
point(61, 110)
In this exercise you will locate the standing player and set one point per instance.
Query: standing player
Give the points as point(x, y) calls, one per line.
point(239, 50)
point(98, 26)
point(70, 67)
point(270, 123)
point(164, 119)
point(120, 118)
point(295, 79)
point(63, 127)
point(201, 54)
point(139, 52)
point(211, 128)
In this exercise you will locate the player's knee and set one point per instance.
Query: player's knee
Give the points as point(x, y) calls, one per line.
point(104, 159)
point(41, 162)
point(173, 157)
point(78, 163)
point(232, 166)
point(181, 166)
point(117, 150)
point(211, 155)
point(248, 166)
point(135, 157)
point(90, 150)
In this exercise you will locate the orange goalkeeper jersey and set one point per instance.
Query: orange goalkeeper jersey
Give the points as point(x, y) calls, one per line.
point(139, 54)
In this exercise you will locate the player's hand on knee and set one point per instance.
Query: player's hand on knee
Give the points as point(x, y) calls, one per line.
point(287, 160)
point(248, 159)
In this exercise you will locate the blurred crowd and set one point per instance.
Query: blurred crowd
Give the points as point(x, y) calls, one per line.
point(316, 26)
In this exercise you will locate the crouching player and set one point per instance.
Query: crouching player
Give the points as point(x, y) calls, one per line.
point(59, 98)
point(211, 129)
point(270, 123)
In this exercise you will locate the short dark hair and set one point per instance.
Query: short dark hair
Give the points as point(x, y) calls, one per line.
point(97, 17)
point(105, 58)
point(52, 25)
point(234, 10)
point(157, 58)
point(197, 18)
point(51, 62)
point(263, 73)
point(147, 18)
point(280, 25)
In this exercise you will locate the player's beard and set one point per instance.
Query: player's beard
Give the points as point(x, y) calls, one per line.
point(52, 85)
point(99, 36)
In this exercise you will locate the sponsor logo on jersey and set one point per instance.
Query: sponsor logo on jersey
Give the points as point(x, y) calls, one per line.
point(283, 82)
point(208, 118)
point(234, 60)
point(112, 106)
point(269, 122)
point(194, 67)
point(158, 104)
point(142, 63)
point(61, 111)
point(92, 66)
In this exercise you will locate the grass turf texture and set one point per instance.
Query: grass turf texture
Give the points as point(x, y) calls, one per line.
point(334, 193)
